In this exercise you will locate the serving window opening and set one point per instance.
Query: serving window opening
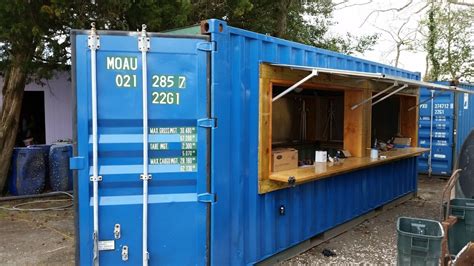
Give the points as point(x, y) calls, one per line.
point(314, 125)
point(307, 120)
point(393, 125)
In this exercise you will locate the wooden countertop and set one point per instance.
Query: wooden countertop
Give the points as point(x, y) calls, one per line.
point(323, 170)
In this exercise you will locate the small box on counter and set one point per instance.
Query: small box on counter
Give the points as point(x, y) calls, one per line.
point(402, 142)
point(284, 159)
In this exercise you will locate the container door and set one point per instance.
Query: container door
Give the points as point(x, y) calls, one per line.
point(178, 134)
point(441, 132)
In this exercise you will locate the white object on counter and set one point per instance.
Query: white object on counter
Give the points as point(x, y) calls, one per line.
point(321, 156)
point(374, 153)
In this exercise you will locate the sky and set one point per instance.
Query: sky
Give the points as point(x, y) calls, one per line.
point(350, 18)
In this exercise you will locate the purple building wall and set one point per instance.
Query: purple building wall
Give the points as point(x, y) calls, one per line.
point(57, 106)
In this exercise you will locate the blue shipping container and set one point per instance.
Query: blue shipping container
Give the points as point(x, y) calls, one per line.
point(453, 120)
point(204, 207)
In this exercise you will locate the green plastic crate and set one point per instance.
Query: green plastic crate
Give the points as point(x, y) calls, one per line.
point(463, 231)
point(419, 241)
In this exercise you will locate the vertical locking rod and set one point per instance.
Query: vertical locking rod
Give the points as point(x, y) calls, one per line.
point(94, 44)
point(144, 46)
point(430, 158)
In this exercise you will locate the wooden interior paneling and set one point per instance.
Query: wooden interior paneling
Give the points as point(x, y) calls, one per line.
point(357, 122)
point(409, 119)
point(265, 131)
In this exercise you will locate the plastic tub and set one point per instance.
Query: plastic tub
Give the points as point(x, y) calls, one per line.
point(419, 241)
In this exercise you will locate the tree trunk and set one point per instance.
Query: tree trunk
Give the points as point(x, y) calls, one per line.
point(397, 56)
point(282, 12)
point(13, 87)
point(427, 69)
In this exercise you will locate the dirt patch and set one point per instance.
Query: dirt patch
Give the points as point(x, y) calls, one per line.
point(36, 238)
point(375, 240)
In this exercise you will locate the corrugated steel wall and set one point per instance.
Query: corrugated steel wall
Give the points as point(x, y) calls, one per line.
point(246, 227)
point(442, 132)
point(465, 117)
point(452, 112)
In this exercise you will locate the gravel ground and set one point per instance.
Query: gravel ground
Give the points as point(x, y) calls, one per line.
point(47, 238)
point(36, 238)
point(375, 240)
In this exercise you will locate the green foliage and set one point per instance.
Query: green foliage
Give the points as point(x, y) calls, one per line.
point(41, 27)
point(349, 44)
point(307, 22)
point(450, 43)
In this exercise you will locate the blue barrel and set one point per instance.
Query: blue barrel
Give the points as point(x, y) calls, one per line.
point(45, 150)
point(60, 176)
point(28, 171)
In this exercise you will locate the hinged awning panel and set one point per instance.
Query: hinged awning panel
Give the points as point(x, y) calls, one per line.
point(377, 77)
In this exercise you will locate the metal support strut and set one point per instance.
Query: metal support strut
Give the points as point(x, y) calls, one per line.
point(314, 72)
point(93, 42)
point(390, 94)
point(144, 46)
point(376, 95)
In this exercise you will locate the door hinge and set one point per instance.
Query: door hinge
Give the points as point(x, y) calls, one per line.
point(93, 40)
point(207, 197)
point(76, 163)
point(207, 46)
point(207, 122)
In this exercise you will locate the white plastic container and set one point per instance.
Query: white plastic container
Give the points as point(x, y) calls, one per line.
point(321, 156)
point(374, 153)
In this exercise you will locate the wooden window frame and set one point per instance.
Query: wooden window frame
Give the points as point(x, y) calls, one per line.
point(357, 123)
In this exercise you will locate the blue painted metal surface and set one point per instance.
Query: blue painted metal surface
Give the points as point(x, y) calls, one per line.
point(177, 220)
point(246, 226)
point(240, 227)
point(27, 171)
point(60, 176)
point(465, 118)
point(453, 120)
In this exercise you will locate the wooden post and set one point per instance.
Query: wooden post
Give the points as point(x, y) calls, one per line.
point(357, 123)
point(409, 119)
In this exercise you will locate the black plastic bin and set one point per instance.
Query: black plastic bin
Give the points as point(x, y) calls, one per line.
point(419, 241)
